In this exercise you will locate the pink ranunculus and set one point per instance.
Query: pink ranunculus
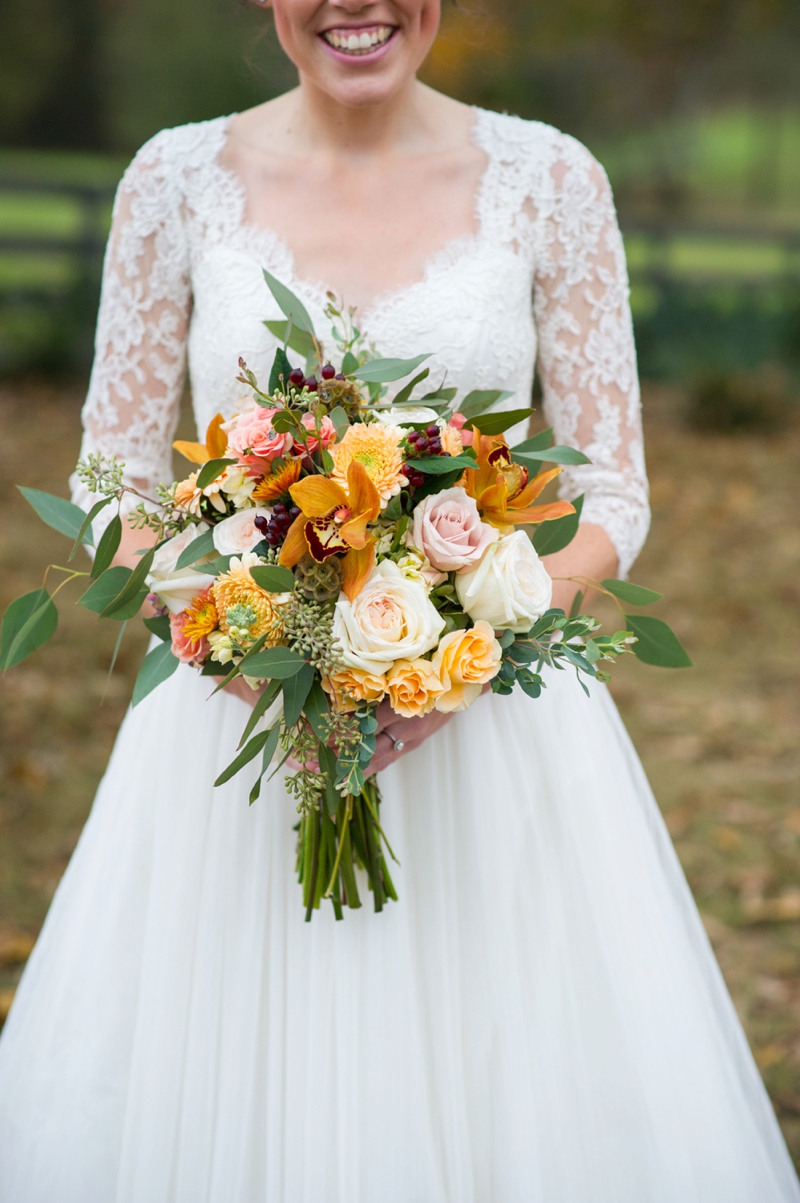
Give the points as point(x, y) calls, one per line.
point(188, 651)
point(459, 422)
point(327, 432)
point(449, 531)
point(254, 436)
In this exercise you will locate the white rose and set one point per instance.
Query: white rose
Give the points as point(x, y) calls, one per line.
point(239, 533)
point(510, 588)
point(406, 415)
point(391, 619)
point(177, 588)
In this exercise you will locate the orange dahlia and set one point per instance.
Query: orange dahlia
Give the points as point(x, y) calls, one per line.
point(245, 610)
point(272, 486)
point(201, 617)
point(377, 447)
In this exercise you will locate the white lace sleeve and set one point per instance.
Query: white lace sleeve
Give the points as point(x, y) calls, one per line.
point(134, 393)
point(587, 358)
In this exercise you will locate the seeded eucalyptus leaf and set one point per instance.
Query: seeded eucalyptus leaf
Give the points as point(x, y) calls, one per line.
point(497, 423)
point(203, 545)
point(274, 662)
point(157, 667)
point(289, 304)
point(299, 340)
point(656, 642)
point(60, 514)
point(105, 588)
point(279, 375)
point(550, 537)
point(210, 471)
point(28, 623)
point(635, 595)
point(132, 587)
point(405, 393)
point(86, 525)
point(340, 421)
point(107, 547)
point(273, 578)
point(295, 691)
point(551, 455)
point(438, 465)
point(317, 710)
point(159, 626)
point(381, 371)
point(481, 399)
point(248, 753)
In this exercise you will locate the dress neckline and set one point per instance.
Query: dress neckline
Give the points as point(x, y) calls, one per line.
point(441, 259)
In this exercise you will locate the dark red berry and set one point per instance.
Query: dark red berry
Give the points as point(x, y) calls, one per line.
point(296, 377)
point(436, 446)
point(279, 508)
point(273, 539)
point(328, 372)
point(261, 523)
point(311, 384)
point(340, 376)
point(432, 431)
point(294, 512)
point(414, 436)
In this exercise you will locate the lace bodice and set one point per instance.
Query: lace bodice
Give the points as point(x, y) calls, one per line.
point(544, 271)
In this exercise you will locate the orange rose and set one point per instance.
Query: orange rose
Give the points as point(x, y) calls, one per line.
point(353, 686)
point(465, 661)
point(414, 688)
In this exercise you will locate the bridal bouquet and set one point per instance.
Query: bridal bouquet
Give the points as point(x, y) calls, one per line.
point(336, 547)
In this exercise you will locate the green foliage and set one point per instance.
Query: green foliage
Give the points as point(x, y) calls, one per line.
point(550, 537)
point(211, 471)
point(289, 304)
point(635, 595)
point(159, 626)
point(441, 465)
point(28, 623)
point(273, 578)
point(295, 692)
point(248, 753)
point(158, 665)
point(202, 546)
point(107, 547)
point(105, 588)
point(60, 514)
point(480, 399)
point(497, 423)
point(275, 662)
point(381, 371)
point(279, 375)
point(656, 642)
point(299, 340)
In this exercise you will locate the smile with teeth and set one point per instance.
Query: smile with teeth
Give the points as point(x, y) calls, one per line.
point(356, 42)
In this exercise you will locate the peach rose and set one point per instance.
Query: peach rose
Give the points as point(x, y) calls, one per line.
point(253, 436)
point(414, 688)
point(188, 651)
point(449, 531)
point(465, 661)
point(327, 432)
point(351, 687)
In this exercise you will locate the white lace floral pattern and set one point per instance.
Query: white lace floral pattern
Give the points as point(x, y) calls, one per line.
point(184, 270)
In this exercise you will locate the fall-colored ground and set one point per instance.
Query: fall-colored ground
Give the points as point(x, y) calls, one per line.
point(720, 741)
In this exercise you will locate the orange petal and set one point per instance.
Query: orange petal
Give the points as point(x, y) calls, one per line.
point(357, 566)
point(540, 513)
point(533, 488)
point(196, 453)
point(216, 438)
point(364, 498)
point(295, 545)
point(317, 496)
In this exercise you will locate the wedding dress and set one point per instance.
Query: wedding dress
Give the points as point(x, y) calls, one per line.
point(540, 1018)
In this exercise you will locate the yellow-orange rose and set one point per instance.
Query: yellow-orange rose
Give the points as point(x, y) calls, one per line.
point(351, 687)
point(414, 688)
point(464, 662)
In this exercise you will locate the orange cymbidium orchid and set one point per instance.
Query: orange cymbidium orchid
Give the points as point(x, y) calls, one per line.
point(502, 490)
point(333, 522)
point(215, 446)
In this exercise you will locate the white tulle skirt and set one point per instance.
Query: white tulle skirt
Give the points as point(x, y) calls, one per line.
point(539, 1019)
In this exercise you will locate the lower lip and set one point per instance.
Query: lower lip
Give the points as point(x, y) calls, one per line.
point(360, 59)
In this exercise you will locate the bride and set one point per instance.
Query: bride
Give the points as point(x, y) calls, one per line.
point(540, 1018)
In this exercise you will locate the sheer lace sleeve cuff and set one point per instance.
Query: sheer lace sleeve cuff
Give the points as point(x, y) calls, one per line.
point(134, 393)
point(587, 359)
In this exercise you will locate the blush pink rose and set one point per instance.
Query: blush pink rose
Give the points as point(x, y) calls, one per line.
point(188, 651)
point(449, 531)
point(327, 432)
point(253, 436)
point(458, 422)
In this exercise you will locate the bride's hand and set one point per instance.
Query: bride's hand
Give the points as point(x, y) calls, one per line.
point(410, 731)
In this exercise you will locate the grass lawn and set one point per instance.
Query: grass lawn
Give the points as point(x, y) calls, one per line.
point(719, 741)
